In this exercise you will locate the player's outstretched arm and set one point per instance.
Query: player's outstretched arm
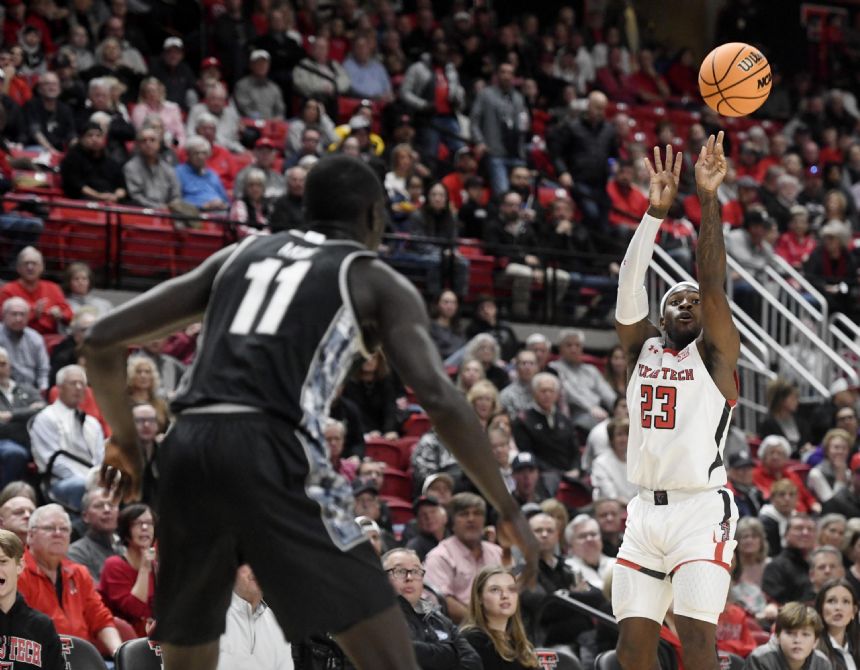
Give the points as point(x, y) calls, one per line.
point(631, 310)
point(168, 307)
point(719, 335)
point(390, 308)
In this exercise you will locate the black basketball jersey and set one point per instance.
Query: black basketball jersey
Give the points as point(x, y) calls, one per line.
point(280, 333)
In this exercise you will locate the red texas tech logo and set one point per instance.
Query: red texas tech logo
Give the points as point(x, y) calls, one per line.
point(548, 660)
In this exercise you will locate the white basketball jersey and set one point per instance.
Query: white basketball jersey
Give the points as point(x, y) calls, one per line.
point(679, 420)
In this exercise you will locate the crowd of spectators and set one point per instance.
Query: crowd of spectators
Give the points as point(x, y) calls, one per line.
point(525, 134)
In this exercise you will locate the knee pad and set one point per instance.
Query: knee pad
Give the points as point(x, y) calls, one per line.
point(700, 589)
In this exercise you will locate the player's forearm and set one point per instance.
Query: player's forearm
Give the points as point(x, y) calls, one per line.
point(108, 377)
point(711, 250)
point(632, 304)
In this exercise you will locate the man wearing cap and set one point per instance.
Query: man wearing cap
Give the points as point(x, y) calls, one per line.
point(366, 493)
point(175, 73)
point(626, 200)
point(740, 475)
point(368, 77)
point(431, 521)
point(528, 487)
point(456, 561)
point(681, 393)
point(847, 500)
point(465, 166)
point(88, 172)
point(773, 454)
point(256, 95)
point(499, 123)
point(749, 246)
point(265, 152)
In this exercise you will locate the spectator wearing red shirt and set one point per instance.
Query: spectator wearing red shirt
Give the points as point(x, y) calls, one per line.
point(773, 454)
point(48, 306)
point(795, 244)
point(455, 182)
point(613, 81)
point(683, 75)
point(80, 610)
point(733, 631)
point(650, 86)
point(127, 583)
point(627, 202)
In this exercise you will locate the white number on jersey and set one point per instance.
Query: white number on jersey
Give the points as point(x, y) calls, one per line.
point(261, 274)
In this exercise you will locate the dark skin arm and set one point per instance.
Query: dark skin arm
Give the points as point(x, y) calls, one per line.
point(661, 194)
point(719, 342)
point(168, 307)
point(391, 311)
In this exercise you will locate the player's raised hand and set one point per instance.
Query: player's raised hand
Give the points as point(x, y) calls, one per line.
point(664, 179)
point(711, 166)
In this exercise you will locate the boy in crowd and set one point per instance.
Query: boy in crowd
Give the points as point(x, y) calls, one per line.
point(798, 628)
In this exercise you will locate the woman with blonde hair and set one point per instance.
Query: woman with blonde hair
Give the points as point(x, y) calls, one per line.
point(750, 560)
point(144, 387)
point(484, 399)
point(494, 626)
point(152, 99)
point(471, 372)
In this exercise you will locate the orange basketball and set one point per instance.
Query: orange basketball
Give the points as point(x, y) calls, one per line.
point(735, 79)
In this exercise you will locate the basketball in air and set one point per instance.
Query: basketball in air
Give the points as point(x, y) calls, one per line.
point(735, 79)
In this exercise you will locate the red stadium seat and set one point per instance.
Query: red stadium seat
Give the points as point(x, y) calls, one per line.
point(147, 244)
point(800, 469)
point(573, 495)
point(195, 245)
point(417, 425)
point(396, 483)
point(387, 451)
point(401, 510)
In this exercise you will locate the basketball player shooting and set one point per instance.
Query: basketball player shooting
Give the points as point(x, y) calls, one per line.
point(245, 475)
point(681, 389)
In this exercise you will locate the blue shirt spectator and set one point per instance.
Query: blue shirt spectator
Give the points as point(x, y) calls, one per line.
point(367, 75)
point(200, 185)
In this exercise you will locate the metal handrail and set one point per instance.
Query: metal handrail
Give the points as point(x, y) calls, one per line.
point(800, 328)
point(786, 269)
point(837, 326)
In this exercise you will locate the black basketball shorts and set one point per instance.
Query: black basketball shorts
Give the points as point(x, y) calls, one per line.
point(244, 488)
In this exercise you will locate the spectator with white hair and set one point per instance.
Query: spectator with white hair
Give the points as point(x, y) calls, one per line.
point(219, 105)
point(547, 433)
point(220, 159)
point(50, 311)
point(26, 348)
point(585, 551)
point(484, 348)
point(250, 208)
point(18, 402)
point(588, 395)
point(54, 585)
point(265, 153)
point(200, 185)
point(64, 427)
point(542, 348)
point(773, 454)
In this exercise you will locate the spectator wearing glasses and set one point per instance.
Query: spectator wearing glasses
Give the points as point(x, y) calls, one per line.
point(127, 583)
point(435, 638)
point(54, 585)
point(100, 541)
point(586, 550)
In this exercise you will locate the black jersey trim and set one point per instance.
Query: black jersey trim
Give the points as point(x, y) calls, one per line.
point(719, 435)
point(346, 296)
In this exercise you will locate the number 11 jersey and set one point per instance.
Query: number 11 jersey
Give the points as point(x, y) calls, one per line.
point(679, 420)
point(279, 333)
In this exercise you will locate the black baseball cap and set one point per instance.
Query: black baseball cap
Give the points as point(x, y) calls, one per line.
point(420, 501)
point(362, 485)
point(741, 459)
point(523, 460)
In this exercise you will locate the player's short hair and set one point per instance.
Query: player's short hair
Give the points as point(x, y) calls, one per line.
point(465, 501)
point(794, 615)
point(11, 545)
point(340, 188)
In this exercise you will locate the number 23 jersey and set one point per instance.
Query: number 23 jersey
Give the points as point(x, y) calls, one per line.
point(679, 420)
point(279, 333)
